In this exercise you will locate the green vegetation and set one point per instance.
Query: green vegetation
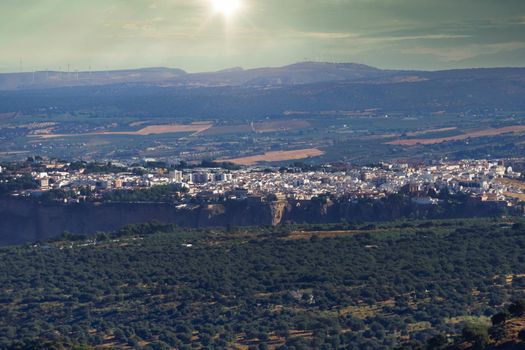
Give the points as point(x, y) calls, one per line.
point(223, 165)
point(476, 332)
point(504, 331)
point(91, 168)
point(156, 286)
point(164, 193)
point(8, 185)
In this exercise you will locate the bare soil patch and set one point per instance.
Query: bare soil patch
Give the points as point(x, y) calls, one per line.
point(467, 135)
point(284, 125)
point(148, 130)
point(296, 235)
point(172, 128)
point(277, 156)
point(227, 129)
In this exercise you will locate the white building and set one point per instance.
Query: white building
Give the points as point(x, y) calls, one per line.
point(176, 176)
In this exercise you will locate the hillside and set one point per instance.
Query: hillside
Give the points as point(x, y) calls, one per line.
point(54, 79)
point(308, 88)
point(295, 74)
point(157, 286)
point(504, 330)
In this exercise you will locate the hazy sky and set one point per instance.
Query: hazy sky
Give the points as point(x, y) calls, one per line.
point(419, 34)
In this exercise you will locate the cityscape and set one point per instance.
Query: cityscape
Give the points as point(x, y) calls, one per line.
point(483, 180)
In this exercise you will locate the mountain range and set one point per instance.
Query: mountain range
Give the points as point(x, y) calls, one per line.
point(310, 87)
point(294, 74)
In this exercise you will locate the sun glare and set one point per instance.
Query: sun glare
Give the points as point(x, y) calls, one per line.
point(226, 7)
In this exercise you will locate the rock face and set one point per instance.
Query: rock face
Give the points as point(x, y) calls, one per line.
point(24, 221)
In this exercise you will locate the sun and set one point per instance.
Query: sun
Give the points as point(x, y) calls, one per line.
point(226, 7)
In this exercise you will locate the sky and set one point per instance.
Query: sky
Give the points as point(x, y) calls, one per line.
point(194, 36)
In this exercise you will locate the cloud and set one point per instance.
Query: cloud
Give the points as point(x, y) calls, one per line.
point(371, 38)
point(424, 37)
point(329, 35)
point(386, 33)
point(459, 53)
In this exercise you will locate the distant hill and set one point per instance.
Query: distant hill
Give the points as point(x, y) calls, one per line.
point(295, 74)
point(53, 79)
point(304, 88)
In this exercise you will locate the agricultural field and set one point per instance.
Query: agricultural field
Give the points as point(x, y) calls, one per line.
point(277, 156)
point(148, 130)
point(350, 113)
point(324, 137)
point(467, 135)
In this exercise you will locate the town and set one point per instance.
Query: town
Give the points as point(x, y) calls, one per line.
point(497, 181)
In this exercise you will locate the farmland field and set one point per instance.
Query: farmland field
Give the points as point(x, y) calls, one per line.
point(173, 128)
point(274, 126)
point(467, 135)
point(278, 156)
point(351, 138)
point(148, 130)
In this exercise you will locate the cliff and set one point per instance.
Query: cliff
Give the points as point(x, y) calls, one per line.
point(23, 221)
